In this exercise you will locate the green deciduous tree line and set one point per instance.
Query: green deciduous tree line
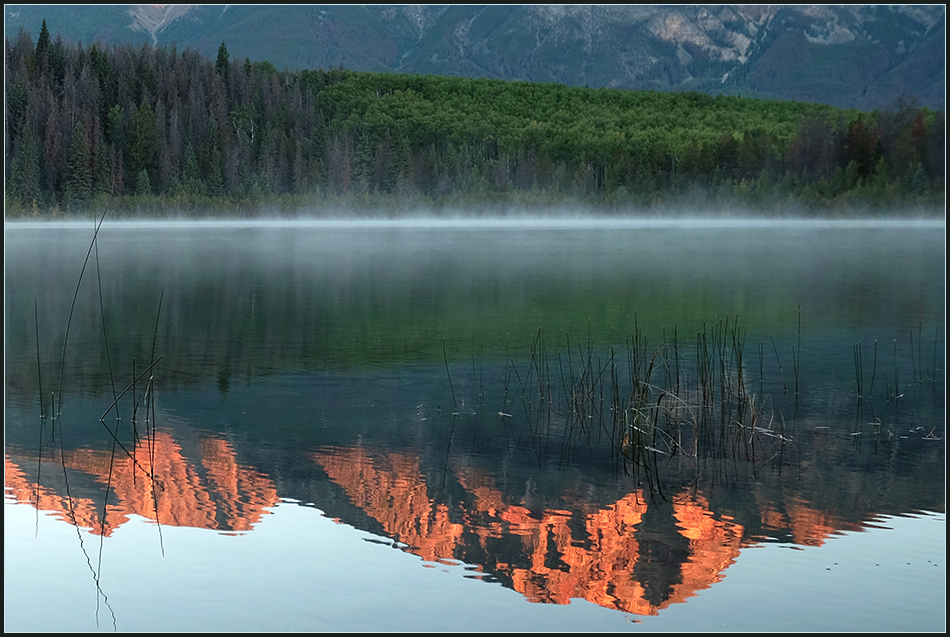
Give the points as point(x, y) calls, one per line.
point(87, 125)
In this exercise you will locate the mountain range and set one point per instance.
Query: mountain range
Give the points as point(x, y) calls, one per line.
point(855, 56)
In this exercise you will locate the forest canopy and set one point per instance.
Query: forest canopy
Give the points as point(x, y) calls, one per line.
point(155, 129)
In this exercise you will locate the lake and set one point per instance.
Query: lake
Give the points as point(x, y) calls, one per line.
point(546, 424)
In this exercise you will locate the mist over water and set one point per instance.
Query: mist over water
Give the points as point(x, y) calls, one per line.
point(566, 218)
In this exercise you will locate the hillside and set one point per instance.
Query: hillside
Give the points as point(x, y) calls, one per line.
point(148, 125)
point(853, 56)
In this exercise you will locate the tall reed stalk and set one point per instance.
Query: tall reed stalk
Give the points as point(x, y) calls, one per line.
point(58, 421)
point(648, 404)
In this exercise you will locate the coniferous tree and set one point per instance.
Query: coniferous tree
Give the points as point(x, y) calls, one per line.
point(142, 142)
point(54, 148)
point(143, 185)
point(18, 102)
point(77, 189)
point(215, 180)
point(917, 182)
point(24, 185)
point(43, 46)
point(191, 177)
point(116, 171)
point(222, 65)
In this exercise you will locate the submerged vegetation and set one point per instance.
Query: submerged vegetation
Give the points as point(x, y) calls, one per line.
point(153, 130)
point(642, 403)
point(695, 404)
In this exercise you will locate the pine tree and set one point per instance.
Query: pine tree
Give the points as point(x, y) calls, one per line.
point(18, 102)
point(142, 141)
point(77, 189)
point(299, 185)
point(918, 183)
point(191, 177)
point(215, 180)
point(142, 184)
point(24, 184)
point(222, 65)
point(43, 45)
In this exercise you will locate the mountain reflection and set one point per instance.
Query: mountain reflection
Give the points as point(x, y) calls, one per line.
point(549, 555)
point(633, 553)
point(214, 492)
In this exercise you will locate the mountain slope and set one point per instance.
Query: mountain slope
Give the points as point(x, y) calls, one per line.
point(862, 56)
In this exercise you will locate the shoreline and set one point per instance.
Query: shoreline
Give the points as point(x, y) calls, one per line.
point(579, 222)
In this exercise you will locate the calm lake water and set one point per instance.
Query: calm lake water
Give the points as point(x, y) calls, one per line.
point(543, 425)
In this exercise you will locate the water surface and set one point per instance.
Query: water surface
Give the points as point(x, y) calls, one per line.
point(352, 415)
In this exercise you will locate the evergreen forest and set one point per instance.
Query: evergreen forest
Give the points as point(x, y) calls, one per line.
point(153, 130)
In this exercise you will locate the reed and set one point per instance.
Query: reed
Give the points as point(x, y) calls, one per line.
point(796, 359)
point(858, 372)
point(455, 404)
point(897, 392)
point(933, 372)
point(913, 358)
point(55, 414)
point(39, 385)
point(873, 369)
point(57, 418)
point(643, 404)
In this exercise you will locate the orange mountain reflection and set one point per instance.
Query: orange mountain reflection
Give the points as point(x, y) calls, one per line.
point(621, 555)
point(213, 493)
point(555, 563)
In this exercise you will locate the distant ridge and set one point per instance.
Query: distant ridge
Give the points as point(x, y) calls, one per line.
point(858, 56)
